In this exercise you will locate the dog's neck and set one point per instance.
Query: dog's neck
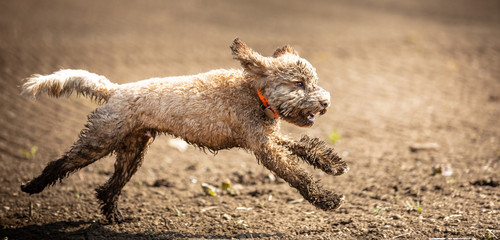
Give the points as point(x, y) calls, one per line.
point(270, 113)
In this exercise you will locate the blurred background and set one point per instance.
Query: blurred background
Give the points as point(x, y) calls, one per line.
point(401, 74)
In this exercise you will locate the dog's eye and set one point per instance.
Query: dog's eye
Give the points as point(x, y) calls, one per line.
point(299, 84)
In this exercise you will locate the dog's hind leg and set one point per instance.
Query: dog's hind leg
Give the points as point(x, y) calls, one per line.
point(96, 141)
point(129, 156)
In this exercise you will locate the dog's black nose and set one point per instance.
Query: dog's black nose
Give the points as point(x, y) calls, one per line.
point(325, 103)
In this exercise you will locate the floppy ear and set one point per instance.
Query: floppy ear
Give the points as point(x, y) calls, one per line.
point(284, 50)
point(250, 60)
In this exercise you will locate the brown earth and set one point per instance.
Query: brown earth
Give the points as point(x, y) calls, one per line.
point(401, 73)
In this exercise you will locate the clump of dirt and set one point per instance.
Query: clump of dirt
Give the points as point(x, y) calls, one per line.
point(486, 182)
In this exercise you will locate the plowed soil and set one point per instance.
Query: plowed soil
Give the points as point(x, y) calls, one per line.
point(415, 85)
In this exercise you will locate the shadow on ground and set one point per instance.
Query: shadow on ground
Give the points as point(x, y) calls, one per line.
point(93, 230)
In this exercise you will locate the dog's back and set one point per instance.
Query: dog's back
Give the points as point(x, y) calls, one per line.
point(190, 107)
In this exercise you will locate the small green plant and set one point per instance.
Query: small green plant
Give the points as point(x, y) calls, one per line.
point(451, 181)
point(490, 234)
point(379, 209)
point(334, 136)
point(227, 188)
point(414, 207)
point(29, 154)
point(149, 232)
point(78, 195)
point(209, 190)
point(179, 213)
point(261, 204)
point(239, 224)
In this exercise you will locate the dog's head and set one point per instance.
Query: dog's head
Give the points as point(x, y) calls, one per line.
point(288, 81)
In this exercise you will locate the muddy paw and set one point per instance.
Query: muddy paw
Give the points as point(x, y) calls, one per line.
point(115, 217)
point(336, 169)
point(327, 200)
point(112, 213)
point(32, 187)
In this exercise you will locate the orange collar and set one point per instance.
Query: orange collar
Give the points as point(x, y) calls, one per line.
point(267, 108)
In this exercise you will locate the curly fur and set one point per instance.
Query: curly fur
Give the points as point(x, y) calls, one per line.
point(64, 82)
point(216, 110)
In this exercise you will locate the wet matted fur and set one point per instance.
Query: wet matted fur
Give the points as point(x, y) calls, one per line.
point(220, 109)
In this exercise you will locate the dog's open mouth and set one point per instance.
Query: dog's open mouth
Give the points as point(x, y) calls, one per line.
point(310, 117)
point(305, 118)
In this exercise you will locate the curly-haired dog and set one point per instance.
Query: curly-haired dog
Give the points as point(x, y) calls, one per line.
point(220, 109)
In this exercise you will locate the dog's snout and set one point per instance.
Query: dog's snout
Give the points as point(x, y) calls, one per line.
point(324, 101)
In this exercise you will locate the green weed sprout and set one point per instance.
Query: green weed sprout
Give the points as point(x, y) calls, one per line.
point(417, 207)
point(29, 154)
point(379, 209)
point(334, 136)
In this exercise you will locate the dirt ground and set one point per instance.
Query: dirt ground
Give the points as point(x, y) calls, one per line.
point(403, 75)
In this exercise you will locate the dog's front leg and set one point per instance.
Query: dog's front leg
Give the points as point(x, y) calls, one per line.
point(316, 152)
point(277, 159)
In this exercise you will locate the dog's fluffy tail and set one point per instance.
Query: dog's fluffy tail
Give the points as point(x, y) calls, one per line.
point(64, 82)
